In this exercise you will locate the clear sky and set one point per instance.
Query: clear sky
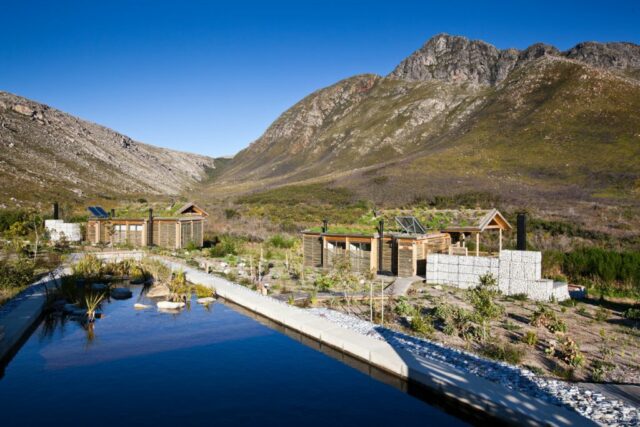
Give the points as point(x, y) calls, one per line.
point(209, 77)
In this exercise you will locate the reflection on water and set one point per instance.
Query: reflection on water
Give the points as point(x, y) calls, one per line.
point(190, 367)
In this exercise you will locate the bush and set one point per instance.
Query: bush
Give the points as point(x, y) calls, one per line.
point(403, 307)
point(324, 283)
point(282, 242)
point(226, 245)
point(605, 267)
point(422, 324)
point(16, 274)
point(505, 352)
point(530, 338)
point(454, 320)
point(547, 318)
point(89, 267)
point(632, 313)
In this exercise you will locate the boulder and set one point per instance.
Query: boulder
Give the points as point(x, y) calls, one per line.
point(170, 305)
point(139, 306)
point(158, 290)
point(98, 287)
point(206, 300)
point(121, 293)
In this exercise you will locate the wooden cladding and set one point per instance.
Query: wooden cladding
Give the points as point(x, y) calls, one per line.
point(168, 233)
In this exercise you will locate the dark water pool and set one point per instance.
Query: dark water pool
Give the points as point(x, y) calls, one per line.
point(202, 366)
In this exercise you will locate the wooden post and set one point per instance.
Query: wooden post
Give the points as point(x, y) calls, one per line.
point(382, 308)
point(499, 240)
point(371, 302)
point(477, 244)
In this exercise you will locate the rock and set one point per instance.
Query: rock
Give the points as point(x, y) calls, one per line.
point(98, 287)
point(158, 290)
point(170, 305)
point(437, 287)
point(139, 306)
point(121, 293)
point(206, 300)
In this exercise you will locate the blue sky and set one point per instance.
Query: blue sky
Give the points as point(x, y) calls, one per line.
point(209, 77)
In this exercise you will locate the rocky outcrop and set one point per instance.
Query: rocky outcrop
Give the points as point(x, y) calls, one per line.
point(457, 59)
point(42, 148)
point(621, 56)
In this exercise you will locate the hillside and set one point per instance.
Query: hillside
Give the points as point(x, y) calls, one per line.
point(538, 128)
point(48, 155)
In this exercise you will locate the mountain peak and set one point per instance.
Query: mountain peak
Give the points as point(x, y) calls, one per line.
point(457, 59)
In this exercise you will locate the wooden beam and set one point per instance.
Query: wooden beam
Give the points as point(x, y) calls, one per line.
point(477, 244)
point(500, 240)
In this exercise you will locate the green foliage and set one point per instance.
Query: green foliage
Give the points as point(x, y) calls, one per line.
point(403, 307)
point(16, 273)
point(88, 267)
point(422, 325)
point(632, 313)
point(454, 319)
point(474, 199)
point(543, 316)
point(282, 242)
point(8, 217)
point(530, 338)
point(503, 351)
point(231, 213)
point(226, 245)
point(483, 297)
point(324, 282)
point(606, 267)
point(602, 314)
point(203, 291)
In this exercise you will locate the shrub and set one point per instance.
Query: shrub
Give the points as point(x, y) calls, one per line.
point(16, 274)
point(454, 320)
point(530, 338)
point(605, 267)
point(89, 267)
point(282, 242)
point(203, 291)
point(602, 314)
point(503, 351)
point(632, 313)
point(403, 307)
point(422, 324)
point(543, 316)
point(324, 283)
point(226, 245)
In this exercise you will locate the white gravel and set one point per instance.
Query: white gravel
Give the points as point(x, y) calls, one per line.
point(589, 403)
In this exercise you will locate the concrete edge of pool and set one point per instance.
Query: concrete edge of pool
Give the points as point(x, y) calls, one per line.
point(469, 390)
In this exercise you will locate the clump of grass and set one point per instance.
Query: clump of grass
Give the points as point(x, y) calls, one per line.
point(602, 314)
point(530, 338)
point(203, 291)
point(92, 302)
point(88, 267)
point(422, 325)
point(503, 351)
point(632, 313)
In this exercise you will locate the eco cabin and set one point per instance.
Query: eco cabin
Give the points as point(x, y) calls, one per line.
point(402, 253)
point(185, 226)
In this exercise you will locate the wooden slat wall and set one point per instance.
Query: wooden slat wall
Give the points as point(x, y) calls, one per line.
point(388, 262)
point(405, 261)
point(360, 261)
point(312, 250)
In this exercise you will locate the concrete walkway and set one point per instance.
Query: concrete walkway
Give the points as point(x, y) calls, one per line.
point(24, 314)
point(469, 390)
point(401, 285)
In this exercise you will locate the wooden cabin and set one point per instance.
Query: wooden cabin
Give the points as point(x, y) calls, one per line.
point(175, 232)
point(402, 254)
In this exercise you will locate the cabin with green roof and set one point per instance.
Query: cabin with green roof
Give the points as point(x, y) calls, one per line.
point(175, 228)
point(402, 250)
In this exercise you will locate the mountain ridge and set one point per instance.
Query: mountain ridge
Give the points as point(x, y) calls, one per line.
point(48, 154)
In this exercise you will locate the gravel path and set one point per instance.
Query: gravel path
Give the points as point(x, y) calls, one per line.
point(589, 403)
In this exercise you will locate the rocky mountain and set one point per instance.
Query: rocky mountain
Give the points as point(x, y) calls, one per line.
point(46, 154)
point(461, 115)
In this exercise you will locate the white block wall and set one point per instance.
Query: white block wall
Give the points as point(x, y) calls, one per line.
point(517, 272)
point(58, 228)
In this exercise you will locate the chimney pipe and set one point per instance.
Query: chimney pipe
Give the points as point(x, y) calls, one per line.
point(380, 243)
point(150, 228)
point(55, 210)
point(325, 225)
point(521, 243)
point(113, 213)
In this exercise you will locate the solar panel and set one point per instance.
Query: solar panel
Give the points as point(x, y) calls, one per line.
point(97, 212)
point(410, 224)
point(102, 212)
